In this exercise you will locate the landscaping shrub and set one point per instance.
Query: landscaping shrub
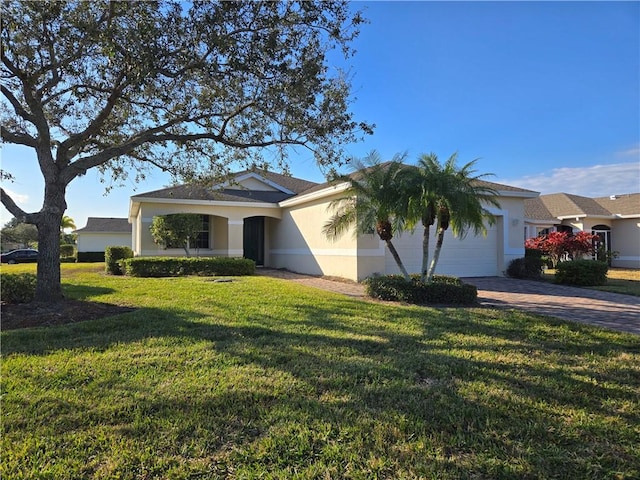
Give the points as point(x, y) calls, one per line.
point(17, 287)
point(112, 257)
point(527, 267)
point(174, 267)
point(582, 273)
point(442, 290)
point(90, 257)
point(67, 250)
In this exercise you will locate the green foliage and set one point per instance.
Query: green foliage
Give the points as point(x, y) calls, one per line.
point(113, 256)
point(447, 195)
point(441, 290)
point(582, 273)
point(67, 250)
point(175, 267)
point(90, 257)
point(527, 267)
point(176, 229)
point(374, 202)
point(18, 287)
point(16, 233)
point(266, 378)
point(188, 87)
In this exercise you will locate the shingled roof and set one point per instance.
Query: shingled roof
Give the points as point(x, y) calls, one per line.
point(495, 186)
point(231, 194)
point(557, 205)
point(106, 225)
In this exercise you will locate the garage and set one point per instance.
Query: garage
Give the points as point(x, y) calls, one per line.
point(474, 256)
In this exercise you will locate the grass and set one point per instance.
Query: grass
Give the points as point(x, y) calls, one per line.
point(264, 378)
point(619, 280)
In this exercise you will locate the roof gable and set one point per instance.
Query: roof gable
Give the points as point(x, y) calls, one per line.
point(105, 225)
point(560, 205)
point(246, 186)
point(628, 204)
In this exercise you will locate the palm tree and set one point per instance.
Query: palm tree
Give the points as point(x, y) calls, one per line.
point(67, 222)
point(450, 196)
point(371, 203)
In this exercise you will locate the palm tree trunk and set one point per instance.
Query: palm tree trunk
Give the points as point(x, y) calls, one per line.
point(396, 257)
point(425, 253)
point(436, 253)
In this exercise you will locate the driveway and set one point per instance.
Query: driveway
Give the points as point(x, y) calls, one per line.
point(602, 309)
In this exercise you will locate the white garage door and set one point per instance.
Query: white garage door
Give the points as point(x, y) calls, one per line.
point(475, 256)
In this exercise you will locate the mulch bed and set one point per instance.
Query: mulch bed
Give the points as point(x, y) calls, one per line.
point(26, 315)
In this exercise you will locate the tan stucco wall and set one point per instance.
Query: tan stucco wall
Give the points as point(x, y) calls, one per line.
point(625, 239)
point(98, 242)
point(225, 226)
point(297, 243)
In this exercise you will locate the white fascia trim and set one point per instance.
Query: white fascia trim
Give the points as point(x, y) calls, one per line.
point(329, 252)
point(550, 223)
point(260, 178)
point(325, 192)
point(210, 203)
point(633, 215)
point(511, 193)
point(134, 208)
point(568, 217)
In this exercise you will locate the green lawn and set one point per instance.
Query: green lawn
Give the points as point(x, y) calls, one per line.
point(264, 378)
point(619, 280)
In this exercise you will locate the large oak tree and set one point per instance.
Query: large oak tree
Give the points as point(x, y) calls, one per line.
point(185, 87)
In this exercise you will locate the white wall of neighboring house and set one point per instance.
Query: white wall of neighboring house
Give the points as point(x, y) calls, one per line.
point(99, 241)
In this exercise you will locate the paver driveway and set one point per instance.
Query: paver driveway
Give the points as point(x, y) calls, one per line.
point(603, 309)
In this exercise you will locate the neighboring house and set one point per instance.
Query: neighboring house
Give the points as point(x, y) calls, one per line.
point(100, 233)
point(277, 221)
point(616, 219)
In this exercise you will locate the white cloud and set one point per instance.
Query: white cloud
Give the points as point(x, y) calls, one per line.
point(22, 200)
point(593, 181)
point(632, 152)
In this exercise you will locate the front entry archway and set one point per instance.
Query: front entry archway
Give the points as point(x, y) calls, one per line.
point(603, 252)
point(253, 239)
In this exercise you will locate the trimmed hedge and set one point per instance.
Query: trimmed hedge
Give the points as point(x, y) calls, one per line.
point(90, 257)
point(178, 266)
point(582, 273)
point(67, 250)
point(17, 287)
point(527, 267)
point(442, 290)
point(112, 257)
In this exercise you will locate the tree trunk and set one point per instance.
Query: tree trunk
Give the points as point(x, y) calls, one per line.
point(436, 253)
point(425, 252)
point(48, 286)
point(396, 257)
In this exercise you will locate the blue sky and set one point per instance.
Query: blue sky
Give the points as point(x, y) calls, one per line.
point(545, 94)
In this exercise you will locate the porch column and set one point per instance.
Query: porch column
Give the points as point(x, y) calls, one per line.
point(235, 237)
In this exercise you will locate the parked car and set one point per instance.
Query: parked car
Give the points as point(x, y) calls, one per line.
point(22, 255)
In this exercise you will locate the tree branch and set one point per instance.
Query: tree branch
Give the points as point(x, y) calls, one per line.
point(17, 106)
point(15, 210)
point(18, 138)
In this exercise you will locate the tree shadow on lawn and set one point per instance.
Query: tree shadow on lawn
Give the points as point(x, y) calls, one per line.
point(72, 309)
point(434, 397)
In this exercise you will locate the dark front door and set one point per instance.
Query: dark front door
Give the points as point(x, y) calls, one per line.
point(253, 233)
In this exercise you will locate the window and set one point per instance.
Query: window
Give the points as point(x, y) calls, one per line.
point(202, 240)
